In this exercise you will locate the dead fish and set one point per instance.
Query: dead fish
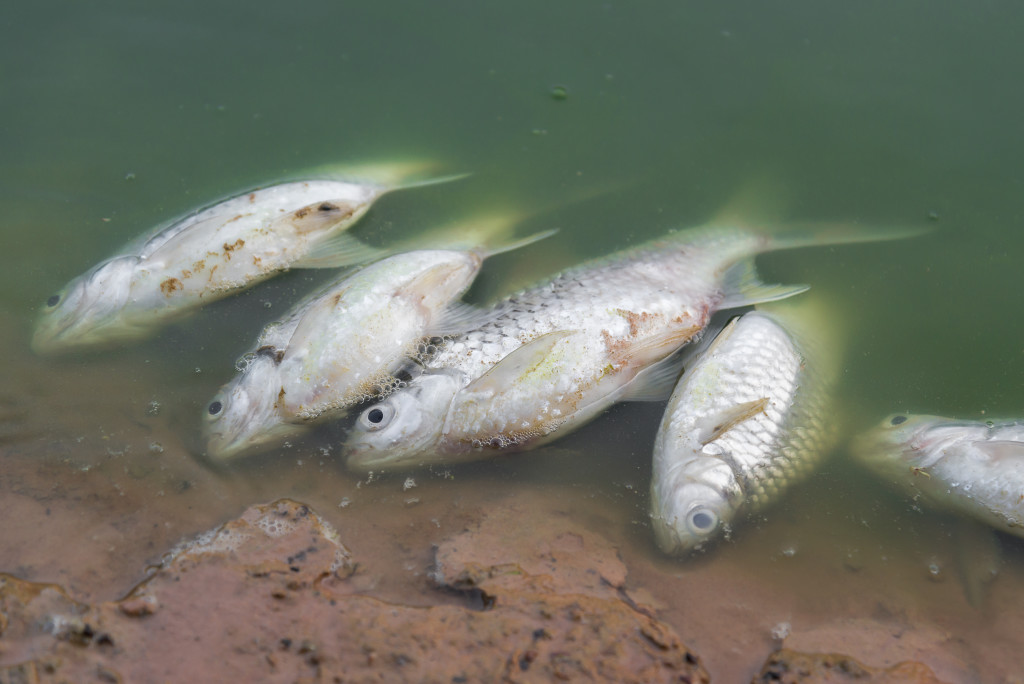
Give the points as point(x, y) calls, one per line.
point(341, 346)
point(974, 468)
point(558, 354)
point(750, 418)
point(212, 253)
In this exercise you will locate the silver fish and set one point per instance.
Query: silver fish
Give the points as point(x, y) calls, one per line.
point(749, 419)
point(558, 354)
point(339, 347)
point(208, 255)
point(975, 468)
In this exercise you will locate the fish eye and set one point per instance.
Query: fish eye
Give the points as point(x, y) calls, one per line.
point(376, 417)
point(897, 420)
point(215, 408)
point(53, 301)
point(701, 521)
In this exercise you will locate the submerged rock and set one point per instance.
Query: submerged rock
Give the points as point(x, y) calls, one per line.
point(272, 596)
point(791, 667)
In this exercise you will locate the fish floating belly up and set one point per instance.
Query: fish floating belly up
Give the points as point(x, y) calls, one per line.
point(749, 418)
point(206, 256)
point(972, 467)
point(339, 347)
point(558, 354)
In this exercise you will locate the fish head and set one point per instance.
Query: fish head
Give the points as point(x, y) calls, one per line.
point(694, 505)
point(245, 413)
point(87, 311)
point(401, 430)
point(900, 441)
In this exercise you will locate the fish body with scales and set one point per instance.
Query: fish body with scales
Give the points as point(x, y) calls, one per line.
point(975, 468)
point(205, 256)
point(750, 418)
point(337, 348)
point(556, 355)
point(340, 346)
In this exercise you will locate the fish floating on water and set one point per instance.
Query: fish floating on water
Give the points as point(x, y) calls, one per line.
point(212, 253)
point(339, 347)
point(750, 418)
point(558, 354)
point(975, 468)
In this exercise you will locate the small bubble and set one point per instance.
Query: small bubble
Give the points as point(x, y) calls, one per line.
point(153, 408)
point(198, 370)
point(129, 176)
point(789, 551)
point(298, 461)
point(408, 484)
point(559, 92)
point(935, 572)
point(345, 502)
point(412, 501)
point(267, 304)
point(933, 216)
point(781, 630)
point(539, 131)
point(156, 448)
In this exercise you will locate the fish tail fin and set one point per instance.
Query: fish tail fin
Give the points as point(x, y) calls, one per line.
point(795, 235)
point(390, 176)
point(485, 235)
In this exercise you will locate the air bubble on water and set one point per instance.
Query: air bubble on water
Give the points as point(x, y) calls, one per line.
point(244, 361)
point(345, 502)
point(156, 448)
point(789, 551)
point(198, 370)
point(153, 408)
point(129, 176)
point(935, 572)
point(408, 484)
point(559, 92)
point(298, 461)
point(781, 630)
point(267, 304)
point(412, 501)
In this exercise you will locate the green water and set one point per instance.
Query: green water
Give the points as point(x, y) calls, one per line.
point(119, 116)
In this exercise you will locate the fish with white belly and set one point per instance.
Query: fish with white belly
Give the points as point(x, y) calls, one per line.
point(212, 253)
point(558, 354)
point(750, 418)
point(340, 346)
point(975, 468)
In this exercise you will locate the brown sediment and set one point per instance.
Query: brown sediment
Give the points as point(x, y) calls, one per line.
point(790, 667)
point(170, 286)
point(268, 597)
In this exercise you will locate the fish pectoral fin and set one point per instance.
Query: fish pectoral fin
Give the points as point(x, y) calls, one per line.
point(518, 364)
point(999, 449)
point(340, 250)
point(742, 287)
point(717, 424)
point(656, 382)
point(510, 245)
point(458, 317)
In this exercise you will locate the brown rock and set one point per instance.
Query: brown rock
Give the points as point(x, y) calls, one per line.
point(269, 597)
point(785, 666)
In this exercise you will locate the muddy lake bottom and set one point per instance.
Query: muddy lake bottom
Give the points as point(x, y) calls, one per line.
point(98, 483)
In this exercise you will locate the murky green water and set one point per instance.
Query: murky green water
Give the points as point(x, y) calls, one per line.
point(118, 116)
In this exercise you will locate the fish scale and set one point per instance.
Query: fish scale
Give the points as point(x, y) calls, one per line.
point(743, 425)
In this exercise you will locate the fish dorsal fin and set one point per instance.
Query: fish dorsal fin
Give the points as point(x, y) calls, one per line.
point(1000, 449)
point(518, 364)
point(339, 250)
point(742, 287)
point(458, 317)
point(717, 424)
point(656, 382)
